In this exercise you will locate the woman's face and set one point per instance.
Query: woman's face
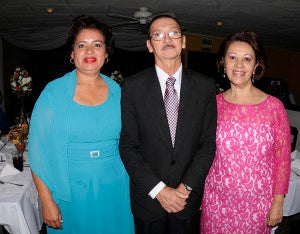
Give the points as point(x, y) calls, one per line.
point(89, 51)
point(240, 63)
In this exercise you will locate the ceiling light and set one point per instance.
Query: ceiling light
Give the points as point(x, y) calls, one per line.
point(50, 10)
point(142, 13)
point(219, 23)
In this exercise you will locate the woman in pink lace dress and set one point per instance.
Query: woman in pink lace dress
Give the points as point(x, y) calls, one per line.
point(250, 174)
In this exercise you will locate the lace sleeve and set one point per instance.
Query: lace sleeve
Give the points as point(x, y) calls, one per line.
point(282, 149)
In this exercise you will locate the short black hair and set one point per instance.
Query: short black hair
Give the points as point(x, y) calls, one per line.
point(88, 22)
point(160, 16)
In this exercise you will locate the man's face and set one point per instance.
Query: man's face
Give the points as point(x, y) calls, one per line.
point(166, 41)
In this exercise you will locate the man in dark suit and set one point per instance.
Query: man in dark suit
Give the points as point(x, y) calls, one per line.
point(167, 165)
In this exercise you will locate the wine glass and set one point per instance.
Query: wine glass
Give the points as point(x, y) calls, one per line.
point(20, 146)
point(18, 160)
point(2, 161)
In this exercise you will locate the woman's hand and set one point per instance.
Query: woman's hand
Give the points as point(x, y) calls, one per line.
point(52, 215)
point(51, 212)
point(276, 212)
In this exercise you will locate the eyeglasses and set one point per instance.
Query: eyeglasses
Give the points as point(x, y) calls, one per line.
point(159, 36)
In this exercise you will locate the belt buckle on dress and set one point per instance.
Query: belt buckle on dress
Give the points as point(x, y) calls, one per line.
point(94, 153)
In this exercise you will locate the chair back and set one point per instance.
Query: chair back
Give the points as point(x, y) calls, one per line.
point(294, 135)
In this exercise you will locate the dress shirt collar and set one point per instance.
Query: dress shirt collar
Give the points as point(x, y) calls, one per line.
point(163, 76)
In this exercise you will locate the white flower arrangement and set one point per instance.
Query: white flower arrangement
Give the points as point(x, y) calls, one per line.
point(117, 76)
point(21, 82)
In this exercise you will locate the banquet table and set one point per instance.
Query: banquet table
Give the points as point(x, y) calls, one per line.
point(20, 208)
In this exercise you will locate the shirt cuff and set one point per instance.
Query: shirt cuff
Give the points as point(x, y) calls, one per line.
point(188, 188)
point(153, 193)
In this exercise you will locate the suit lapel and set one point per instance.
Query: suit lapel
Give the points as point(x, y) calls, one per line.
point(154, 103)
point(186, 107)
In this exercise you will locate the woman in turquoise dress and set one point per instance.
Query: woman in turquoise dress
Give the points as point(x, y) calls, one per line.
point(73, 142)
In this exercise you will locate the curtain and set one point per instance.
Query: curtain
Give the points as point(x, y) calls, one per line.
point(39, 38)
point(45, 38)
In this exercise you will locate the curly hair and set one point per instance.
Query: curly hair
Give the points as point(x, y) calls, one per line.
point(88, 22)
point(251, 39)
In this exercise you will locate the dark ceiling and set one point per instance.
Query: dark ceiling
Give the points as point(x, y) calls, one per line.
point(277, 22)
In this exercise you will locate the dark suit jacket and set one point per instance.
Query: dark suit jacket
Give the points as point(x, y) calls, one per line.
point(145, 144)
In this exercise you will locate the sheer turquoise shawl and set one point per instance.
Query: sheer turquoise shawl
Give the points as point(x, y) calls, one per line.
point(48, 134)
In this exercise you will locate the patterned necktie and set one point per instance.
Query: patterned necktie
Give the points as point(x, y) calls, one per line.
point(171, 105)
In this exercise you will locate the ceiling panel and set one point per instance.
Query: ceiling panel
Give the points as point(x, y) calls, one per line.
point(275, 21)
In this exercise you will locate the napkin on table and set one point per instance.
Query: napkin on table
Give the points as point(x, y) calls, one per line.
point(8, 170)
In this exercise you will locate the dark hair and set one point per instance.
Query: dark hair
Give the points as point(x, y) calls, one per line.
point(89, 22)
point(251, 39)
point(160, 16)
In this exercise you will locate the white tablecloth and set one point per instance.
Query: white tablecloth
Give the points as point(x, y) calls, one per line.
point(20, 209)
point(291, 204)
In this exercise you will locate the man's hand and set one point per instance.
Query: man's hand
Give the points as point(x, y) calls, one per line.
point(181, 188)
point(172, 200)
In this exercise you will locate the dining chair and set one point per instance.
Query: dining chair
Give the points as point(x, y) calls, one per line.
point(294, 135)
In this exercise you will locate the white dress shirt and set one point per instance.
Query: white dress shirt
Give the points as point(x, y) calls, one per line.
point(162, 77)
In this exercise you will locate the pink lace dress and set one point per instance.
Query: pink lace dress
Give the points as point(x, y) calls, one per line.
point(252, 163)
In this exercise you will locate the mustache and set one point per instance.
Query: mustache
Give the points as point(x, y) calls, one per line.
point(167, 46)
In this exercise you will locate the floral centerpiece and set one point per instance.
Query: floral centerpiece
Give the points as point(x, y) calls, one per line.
point(21, 85)
point(117, 76)
point(21, 82)
point(17, 136)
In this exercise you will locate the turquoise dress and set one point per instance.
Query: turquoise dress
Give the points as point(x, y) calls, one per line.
point(99, 200)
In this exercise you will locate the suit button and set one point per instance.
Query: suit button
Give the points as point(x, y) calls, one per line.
point(173, 162)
